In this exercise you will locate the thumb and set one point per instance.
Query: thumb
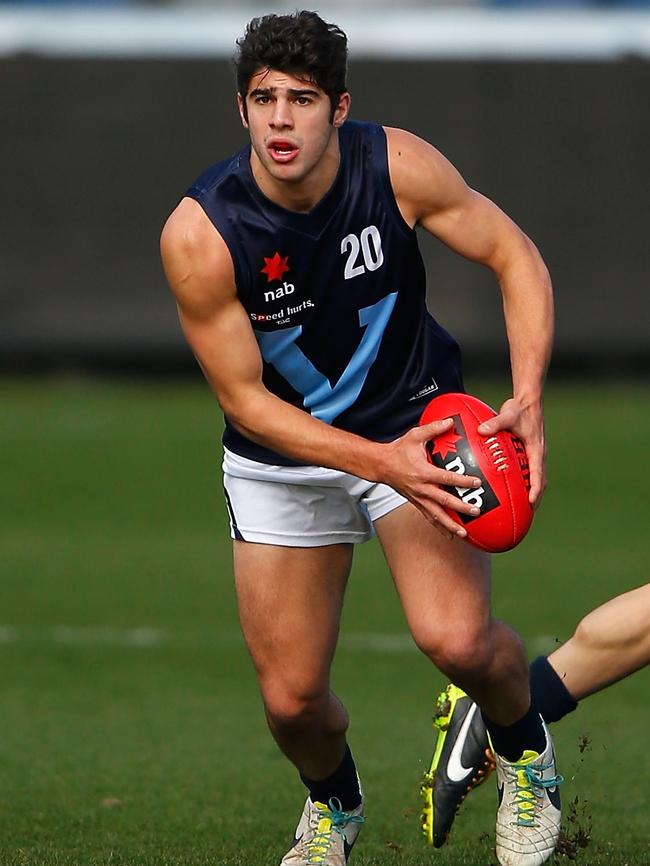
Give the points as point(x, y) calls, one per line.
point(485, 428)
point(502, 421)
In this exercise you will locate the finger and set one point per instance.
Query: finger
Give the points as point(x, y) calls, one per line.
point(454, 503)
point(445, 525)
point(537, 500)
point(432, 429)
point(436, 504)
point(453, 479)
point(537, 479)
point(536, 493)
point(536, 454)
point(434, 495)
point(433, 520)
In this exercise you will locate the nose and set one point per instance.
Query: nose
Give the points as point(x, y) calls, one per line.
point(282, 117)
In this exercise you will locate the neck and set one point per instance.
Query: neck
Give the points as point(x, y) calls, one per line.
point(304, 194)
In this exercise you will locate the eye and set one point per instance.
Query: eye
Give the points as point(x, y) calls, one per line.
point(261, 99)
point(303, 100)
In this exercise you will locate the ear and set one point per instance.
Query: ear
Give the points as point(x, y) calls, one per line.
point(342, 110)
point(242, 114)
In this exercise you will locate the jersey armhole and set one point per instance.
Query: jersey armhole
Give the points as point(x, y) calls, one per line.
point(227, 234)
point(379, 146)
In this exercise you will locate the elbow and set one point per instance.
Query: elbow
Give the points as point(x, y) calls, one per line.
point(243, 412)
point(234, 409)
point(240, 425)
point(511, 260)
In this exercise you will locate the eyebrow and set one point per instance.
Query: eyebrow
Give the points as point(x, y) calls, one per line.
point(270, 91)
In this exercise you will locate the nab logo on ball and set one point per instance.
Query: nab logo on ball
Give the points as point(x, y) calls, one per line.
point(499, 461)
point(452, 451)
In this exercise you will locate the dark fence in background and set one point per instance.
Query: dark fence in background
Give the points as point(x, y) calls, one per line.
point(95, 154)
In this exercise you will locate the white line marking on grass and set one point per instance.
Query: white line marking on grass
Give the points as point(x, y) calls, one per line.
point(71, 635)
point(142, 636)
point(147, 637)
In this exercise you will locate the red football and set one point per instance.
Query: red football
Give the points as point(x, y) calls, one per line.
point(499, 461)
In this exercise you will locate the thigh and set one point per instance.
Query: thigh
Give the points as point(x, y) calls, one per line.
point(290, 601)
point(442, 583)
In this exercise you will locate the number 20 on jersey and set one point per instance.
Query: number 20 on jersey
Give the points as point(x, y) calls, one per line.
point(364, 252)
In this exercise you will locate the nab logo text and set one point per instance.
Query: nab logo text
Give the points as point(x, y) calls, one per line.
point(452, 451)
point(274, 295)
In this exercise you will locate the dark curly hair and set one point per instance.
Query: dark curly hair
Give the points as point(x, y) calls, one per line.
point(301, 44)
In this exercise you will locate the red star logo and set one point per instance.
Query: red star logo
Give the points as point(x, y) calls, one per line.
point(445, 444)
point(275, 267)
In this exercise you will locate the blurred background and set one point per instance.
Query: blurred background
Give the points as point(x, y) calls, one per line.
point(108, 114)
point(131, 726)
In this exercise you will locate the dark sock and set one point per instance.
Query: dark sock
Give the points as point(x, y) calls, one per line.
point(342, 784)
point(550, 695)
point(510, 741)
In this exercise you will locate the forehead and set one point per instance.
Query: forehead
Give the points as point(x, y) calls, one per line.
point(274, 78)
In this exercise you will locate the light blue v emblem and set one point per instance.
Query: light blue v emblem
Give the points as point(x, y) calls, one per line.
point(324, 401)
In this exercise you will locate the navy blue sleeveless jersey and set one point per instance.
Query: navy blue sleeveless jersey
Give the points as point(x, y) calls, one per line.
point(336, 296)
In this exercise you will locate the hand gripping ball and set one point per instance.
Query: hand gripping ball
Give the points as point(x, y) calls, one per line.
point(500, 462)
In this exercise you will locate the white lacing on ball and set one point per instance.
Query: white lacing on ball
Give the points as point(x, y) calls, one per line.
point(499, 457)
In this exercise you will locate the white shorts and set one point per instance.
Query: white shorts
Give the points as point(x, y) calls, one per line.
point(301, 506)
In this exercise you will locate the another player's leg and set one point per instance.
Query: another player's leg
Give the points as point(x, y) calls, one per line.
point(609, 644)
point(289, 605)
point(444, 587)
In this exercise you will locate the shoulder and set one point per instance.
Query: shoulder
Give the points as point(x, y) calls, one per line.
point(423, 180)
point(189, 237)
point(364, 136)
point(408, 153)
point(197, 262)
point(215, 178)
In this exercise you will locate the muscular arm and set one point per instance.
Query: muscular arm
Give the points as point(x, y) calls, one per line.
point(430, 192)
point(200, 273)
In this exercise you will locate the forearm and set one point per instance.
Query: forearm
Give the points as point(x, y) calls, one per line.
point(269, 421)
point(528, 309)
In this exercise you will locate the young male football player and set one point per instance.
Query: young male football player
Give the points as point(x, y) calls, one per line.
point(609, 643)
point(301, 291)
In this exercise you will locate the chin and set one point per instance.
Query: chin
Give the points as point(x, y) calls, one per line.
point(288, 172)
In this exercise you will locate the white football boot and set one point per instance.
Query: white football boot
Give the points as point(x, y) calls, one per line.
point(528, 817)
point(324, 835)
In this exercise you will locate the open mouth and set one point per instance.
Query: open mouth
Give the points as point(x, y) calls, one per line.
point(282, 150)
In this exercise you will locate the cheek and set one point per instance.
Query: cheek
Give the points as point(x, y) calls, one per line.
point(319, 137)
point(256, 137)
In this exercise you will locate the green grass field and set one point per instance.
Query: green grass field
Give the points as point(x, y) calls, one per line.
point(132, 731)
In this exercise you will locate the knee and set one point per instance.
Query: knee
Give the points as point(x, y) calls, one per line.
point(462, 652)
point(293, 709)
point(595, 633)
point(587, 633)
point(620, 624)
